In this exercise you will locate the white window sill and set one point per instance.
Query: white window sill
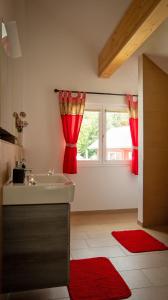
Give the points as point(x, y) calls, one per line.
point(104, 164)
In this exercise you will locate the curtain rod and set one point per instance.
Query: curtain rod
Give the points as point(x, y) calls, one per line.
point(98, 93)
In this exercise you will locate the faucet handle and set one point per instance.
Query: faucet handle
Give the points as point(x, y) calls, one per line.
point(28, 174)
point(51, 172)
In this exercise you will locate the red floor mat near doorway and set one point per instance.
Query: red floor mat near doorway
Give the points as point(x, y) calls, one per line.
point(96, 279)
point(138, 241)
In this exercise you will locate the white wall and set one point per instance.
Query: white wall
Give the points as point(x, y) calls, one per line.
point(63, 39)
point(11, 70)
point(103, 188)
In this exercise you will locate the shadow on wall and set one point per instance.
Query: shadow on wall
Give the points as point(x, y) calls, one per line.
point(160, 61)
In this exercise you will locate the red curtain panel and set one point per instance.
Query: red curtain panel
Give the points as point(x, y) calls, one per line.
point(133, 121)
point(71, 109)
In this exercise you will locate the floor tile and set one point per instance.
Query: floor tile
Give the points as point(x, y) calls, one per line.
point(135, 279)
point(82, 253)
point(128, 253)
point(101, 242)
point(78, 244)
point(44, 294)
point(58, 292)
point(98, 235)
point(164, 255)
point(138, 262)
point(121, 226)
point(114, 251)
point(158, 276)
point(161, 236)
point(150, 293)
point(59, 298)
point(89, 228)
point(78, 235)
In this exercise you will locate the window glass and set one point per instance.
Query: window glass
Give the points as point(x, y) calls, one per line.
point(88, 141)
point(118, 138)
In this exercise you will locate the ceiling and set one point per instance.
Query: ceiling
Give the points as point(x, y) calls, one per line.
point(156, 46)
point(90, 23)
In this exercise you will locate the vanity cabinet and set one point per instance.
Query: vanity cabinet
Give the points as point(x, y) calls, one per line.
point(36, 246)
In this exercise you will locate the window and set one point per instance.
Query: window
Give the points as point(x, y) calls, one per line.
point(118, 138)
point(105, 136)
point(88, 142)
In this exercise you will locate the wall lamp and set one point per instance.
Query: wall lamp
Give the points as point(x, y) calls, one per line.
point(10, 39)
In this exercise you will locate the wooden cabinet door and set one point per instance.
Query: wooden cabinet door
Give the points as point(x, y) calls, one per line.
point(36, 246)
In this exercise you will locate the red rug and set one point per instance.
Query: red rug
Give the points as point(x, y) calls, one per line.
point(138, 241)
point(96, 279)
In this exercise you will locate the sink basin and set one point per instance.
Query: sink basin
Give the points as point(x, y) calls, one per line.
point(55, 188)
point(51, 179)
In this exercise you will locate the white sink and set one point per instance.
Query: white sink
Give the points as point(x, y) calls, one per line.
point(55, 188)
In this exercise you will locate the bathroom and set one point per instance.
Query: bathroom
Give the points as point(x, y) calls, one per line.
point(60, 43)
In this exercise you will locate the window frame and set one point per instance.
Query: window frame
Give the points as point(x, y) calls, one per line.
point(102, 109)
point(97, 108)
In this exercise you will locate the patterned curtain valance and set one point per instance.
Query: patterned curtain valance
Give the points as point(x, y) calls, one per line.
point(133, 106)
point(71, 105)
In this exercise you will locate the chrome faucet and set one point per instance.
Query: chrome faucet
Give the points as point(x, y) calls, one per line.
point(51, 172)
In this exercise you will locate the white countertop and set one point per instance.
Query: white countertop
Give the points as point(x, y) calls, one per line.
point(51, 189)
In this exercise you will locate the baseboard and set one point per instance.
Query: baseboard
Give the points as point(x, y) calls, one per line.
point(140, 223)
point(153, 226)
point(109, 211)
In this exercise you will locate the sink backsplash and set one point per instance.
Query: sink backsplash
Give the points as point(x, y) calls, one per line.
point(9, 154)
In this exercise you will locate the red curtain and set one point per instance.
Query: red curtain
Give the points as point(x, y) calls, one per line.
point(71, 109)
point(133, 120)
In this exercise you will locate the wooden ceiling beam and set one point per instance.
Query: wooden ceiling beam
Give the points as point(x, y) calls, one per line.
point(141, 19)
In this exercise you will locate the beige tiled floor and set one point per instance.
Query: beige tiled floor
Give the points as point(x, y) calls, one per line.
point(145, 273)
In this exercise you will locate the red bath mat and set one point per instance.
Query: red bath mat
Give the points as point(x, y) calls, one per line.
point(96, 279)
point(138, 241)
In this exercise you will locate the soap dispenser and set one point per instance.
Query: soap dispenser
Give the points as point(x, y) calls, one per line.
point(18, 173)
